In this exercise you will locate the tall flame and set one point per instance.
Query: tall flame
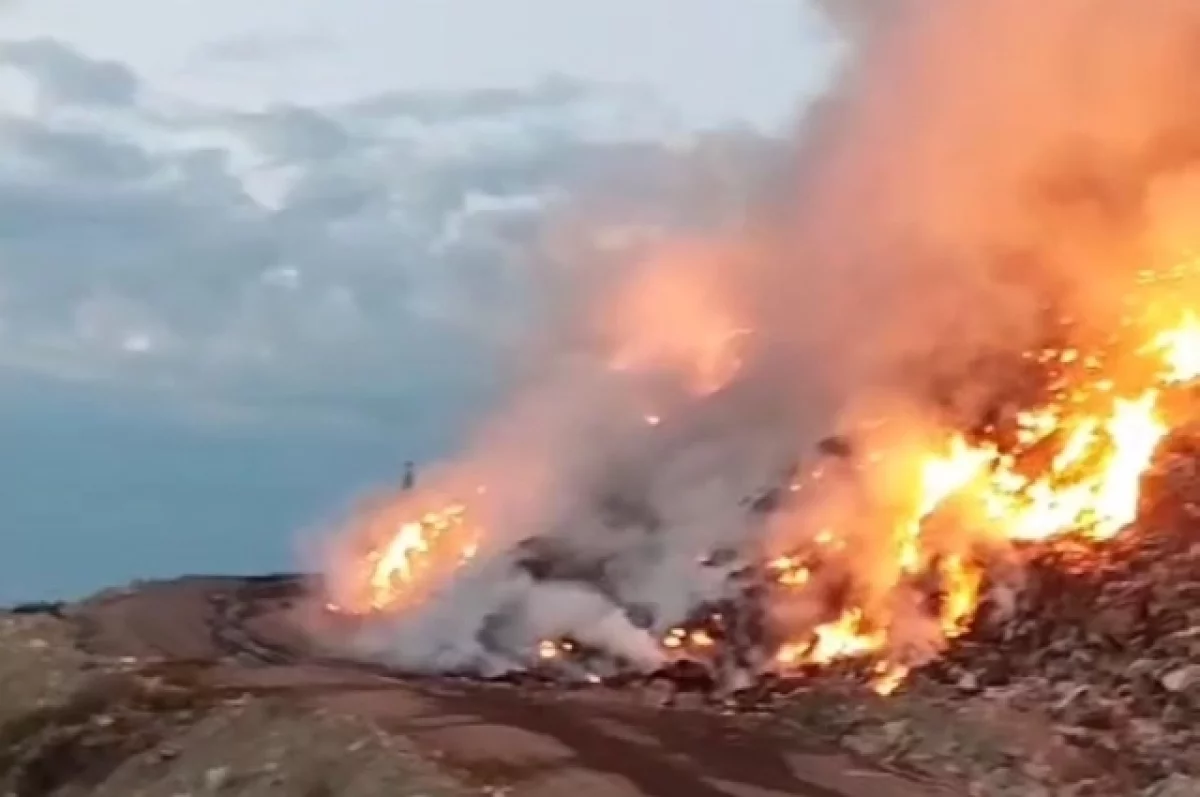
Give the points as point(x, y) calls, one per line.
point(1089, 485)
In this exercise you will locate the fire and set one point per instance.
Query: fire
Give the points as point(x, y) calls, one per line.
point(1072, 466)
point(675, 638)
point(1000, 204)
point(845, 637)
point(1100, 443)
point(396, 563)
point(397, 568)
point(1091, 484)
point(673, 317)
point(888, 677)
point(1179, 348)
point(790, 571)
point(962, 582)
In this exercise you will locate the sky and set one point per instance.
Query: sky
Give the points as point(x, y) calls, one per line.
point(252, 262)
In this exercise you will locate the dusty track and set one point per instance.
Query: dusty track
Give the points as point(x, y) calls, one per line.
point(522, 741)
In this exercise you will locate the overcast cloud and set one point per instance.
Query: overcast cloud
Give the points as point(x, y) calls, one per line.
point(385, 248)
point(362, 252)
point(380, 246)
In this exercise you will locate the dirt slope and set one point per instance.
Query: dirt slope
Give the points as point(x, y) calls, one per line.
point(204, 686)
point(73, 724)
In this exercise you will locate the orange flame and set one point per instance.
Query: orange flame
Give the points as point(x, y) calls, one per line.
point(1179, 348)
point(673, 317)
point(397, 568)
point(1074, 467)
point(1089, 486)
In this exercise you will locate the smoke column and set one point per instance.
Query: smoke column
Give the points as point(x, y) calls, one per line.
point(973, 161)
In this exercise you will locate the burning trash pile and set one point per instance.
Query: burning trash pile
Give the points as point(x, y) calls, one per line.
point(1104, 635)
point(1050, 491)
point(1048, 553)
point(927, 420)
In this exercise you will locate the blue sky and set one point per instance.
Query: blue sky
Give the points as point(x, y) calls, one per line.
point(252, 262)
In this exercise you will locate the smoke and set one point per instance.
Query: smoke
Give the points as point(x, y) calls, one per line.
point(976, 164)
point(491, 619)
point(859, 20)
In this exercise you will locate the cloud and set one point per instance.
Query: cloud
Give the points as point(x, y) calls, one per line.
point(65, 76)
point(263, 45)
point(291, 132)
point(551, 93)
point(382, 258)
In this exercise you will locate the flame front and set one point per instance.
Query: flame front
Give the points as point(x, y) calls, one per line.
point(396, 571)
point(1179, 349)
point(980, 269)
point(1072, 466)
point(1075, 468)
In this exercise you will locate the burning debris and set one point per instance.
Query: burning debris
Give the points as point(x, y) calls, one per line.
point(1105, 633)
point(994, 314)
point(1070, 468)
point(1067, 582)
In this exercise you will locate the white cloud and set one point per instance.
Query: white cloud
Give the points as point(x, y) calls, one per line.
point(65, 76)
point(375, 253)
point(714, 59)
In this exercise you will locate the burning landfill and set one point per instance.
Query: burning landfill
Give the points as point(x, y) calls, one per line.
point(928, 416)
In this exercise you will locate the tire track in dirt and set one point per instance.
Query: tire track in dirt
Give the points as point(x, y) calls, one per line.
point(531, 741)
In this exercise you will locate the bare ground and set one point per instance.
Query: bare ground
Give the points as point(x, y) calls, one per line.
point(73, 724)
point(166, 702)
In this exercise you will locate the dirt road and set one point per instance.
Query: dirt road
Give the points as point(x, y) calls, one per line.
point(517, 741)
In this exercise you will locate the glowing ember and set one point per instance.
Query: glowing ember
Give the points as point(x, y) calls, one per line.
point(790, 571)
point(888, 677)
point(675, 638)
point(845, 637)
point(961, 582)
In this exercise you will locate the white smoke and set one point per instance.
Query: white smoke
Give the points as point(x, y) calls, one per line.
point(974, 154)
point(491, 619)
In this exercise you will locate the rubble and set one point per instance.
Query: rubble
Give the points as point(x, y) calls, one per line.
point(1103, 639)
point(1175, 786)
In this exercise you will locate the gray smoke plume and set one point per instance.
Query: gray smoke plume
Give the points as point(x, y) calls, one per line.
point(974, 161)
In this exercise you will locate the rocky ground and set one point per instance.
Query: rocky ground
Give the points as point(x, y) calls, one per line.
point(73, 724)
point(987, 743)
